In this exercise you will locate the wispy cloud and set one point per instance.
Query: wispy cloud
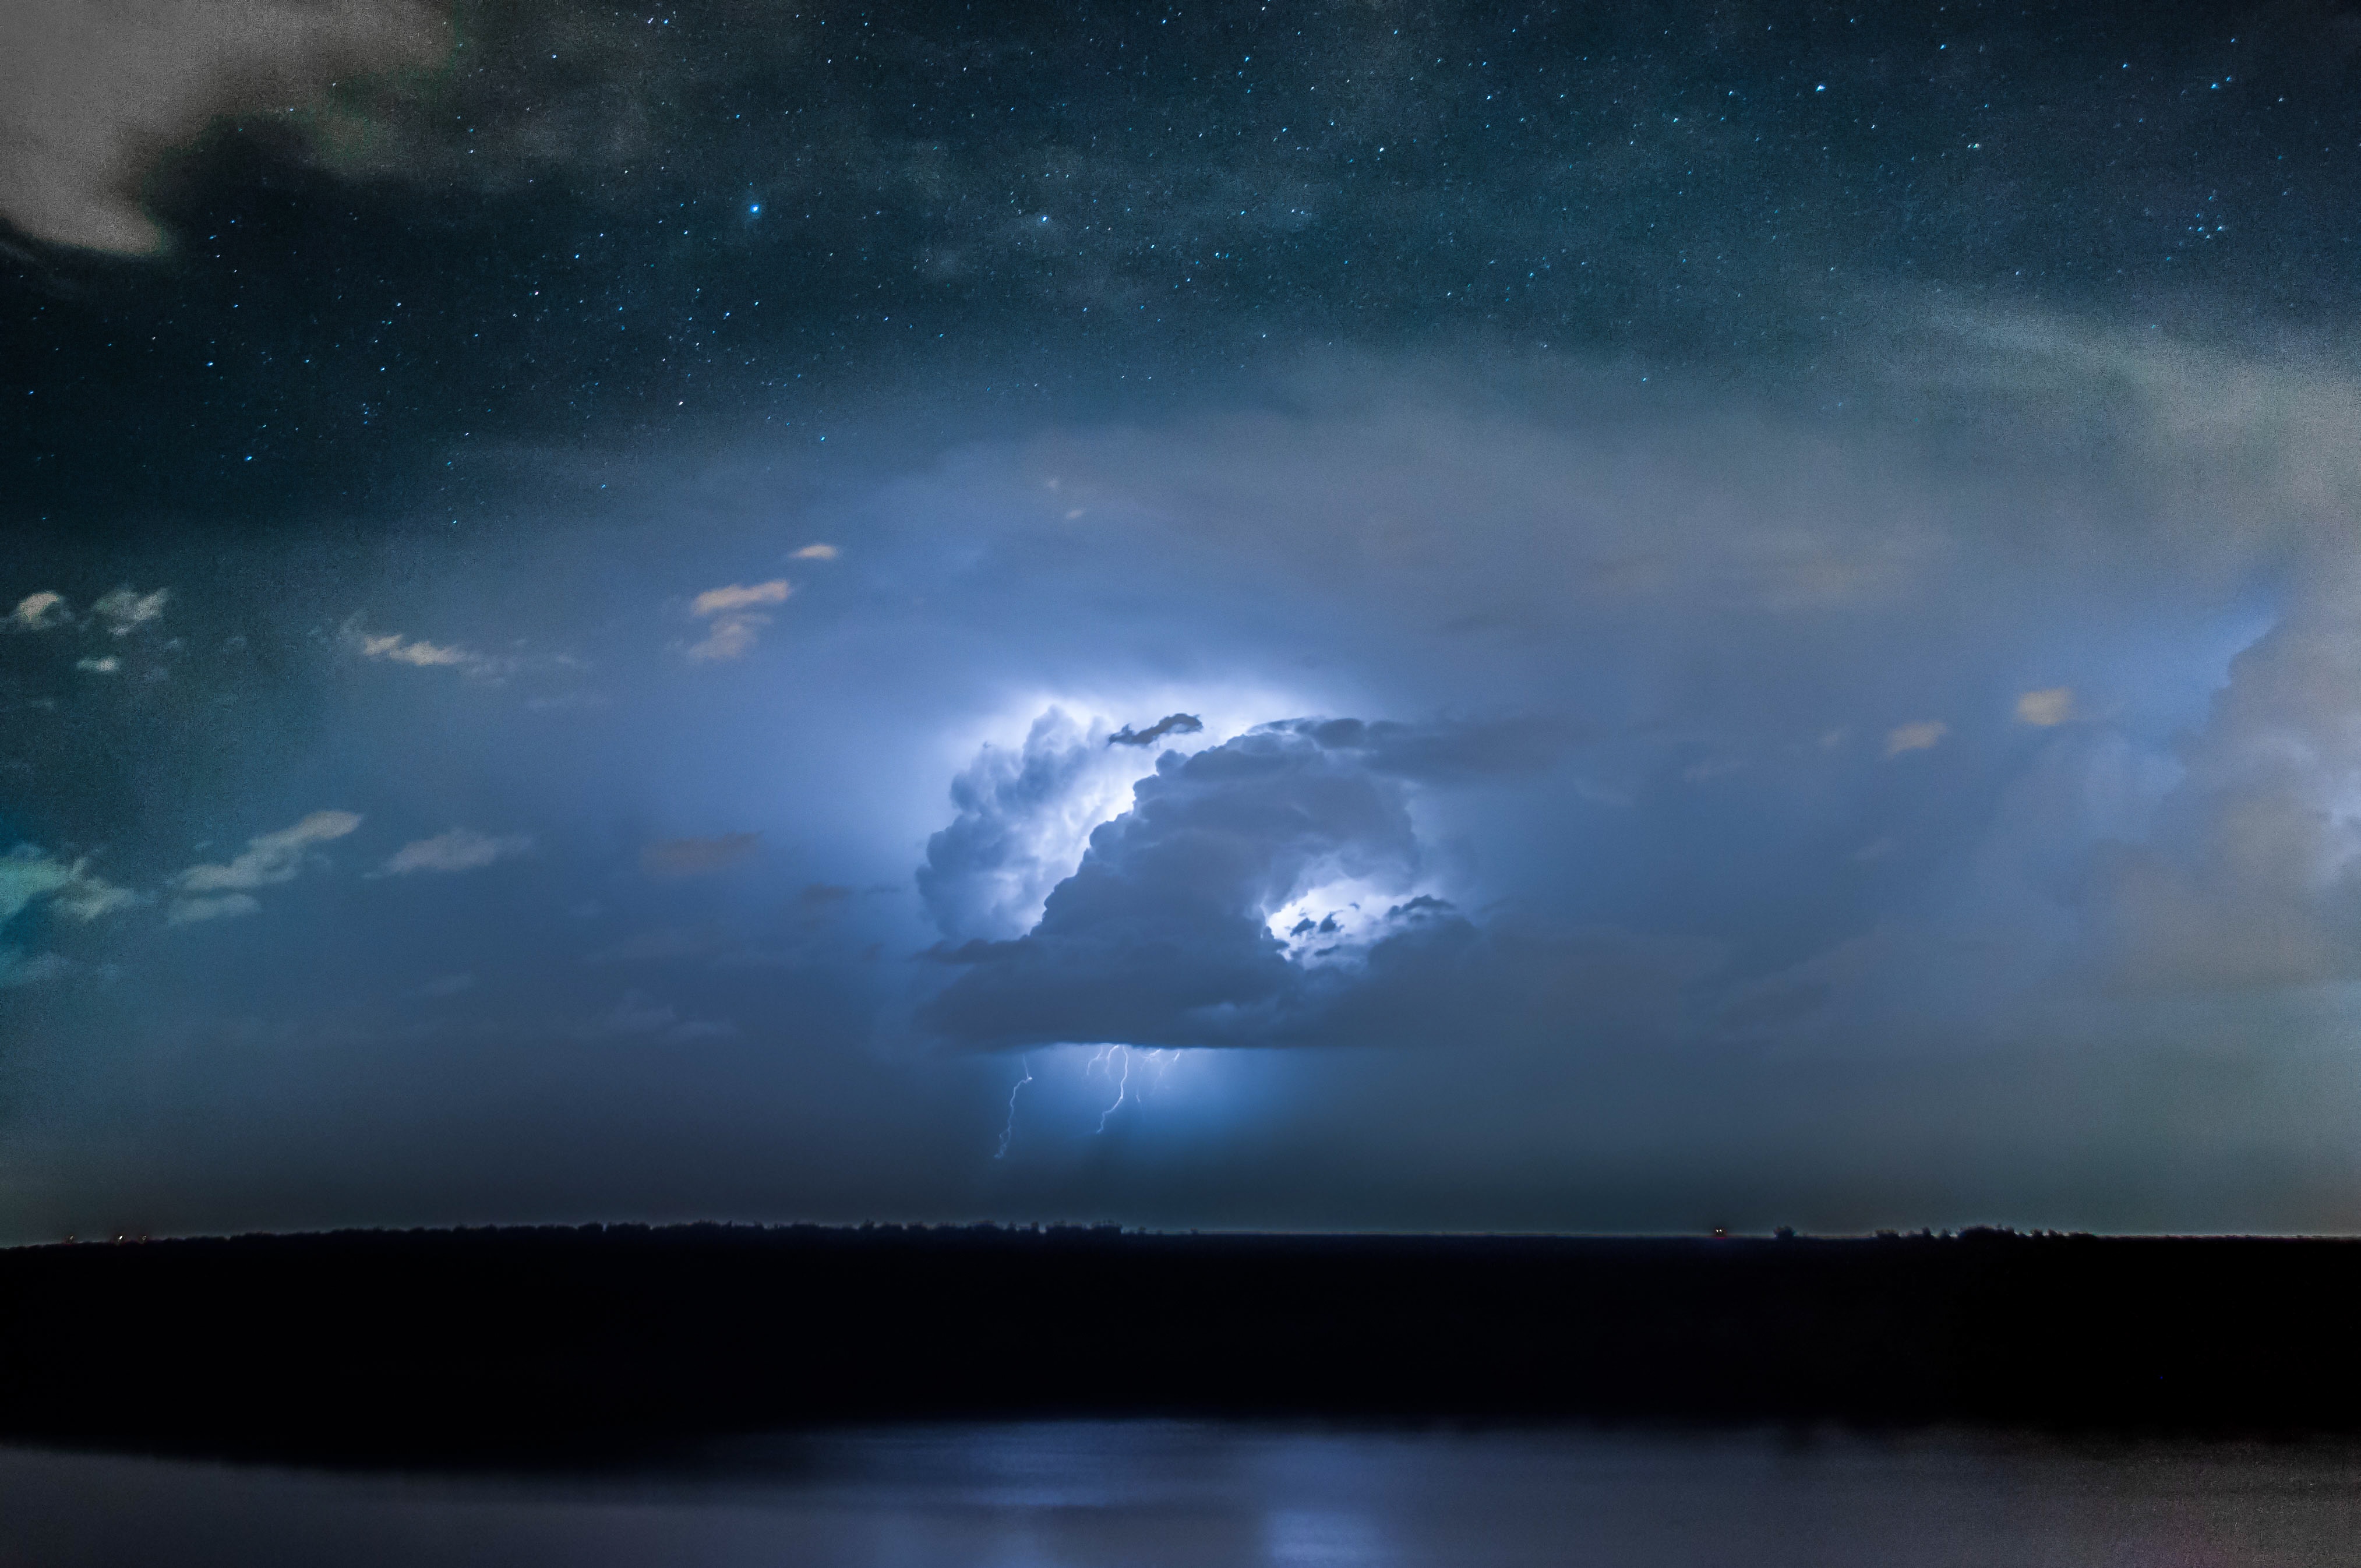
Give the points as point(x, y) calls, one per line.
point(460, 850)
point(641, 1016)
point(214, 892)
point(735, 622)
point(816, 553)
point(228, 905)
point(394, 648)
point(18, 967)
point(127, 609)
point(26, 873)
point(740, 596)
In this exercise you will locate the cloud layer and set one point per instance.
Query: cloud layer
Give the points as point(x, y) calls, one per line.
point(91, 93)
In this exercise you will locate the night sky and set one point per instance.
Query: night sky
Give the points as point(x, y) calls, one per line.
point(1596, 618)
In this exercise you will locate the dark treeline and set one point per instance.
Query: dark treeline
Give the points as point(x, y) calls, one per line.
point(452, 1345)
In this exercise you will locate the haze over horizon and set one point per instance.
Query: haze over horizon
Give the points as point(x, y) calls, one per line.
point(1368, 616)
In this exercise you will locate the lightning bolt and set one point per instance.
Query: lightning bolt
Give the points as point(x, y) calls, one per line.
point(1008, 1130)
point(1123, 1087)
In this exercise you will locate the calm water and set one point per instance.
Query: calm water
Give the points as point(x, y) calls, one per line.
point(1103, 1496)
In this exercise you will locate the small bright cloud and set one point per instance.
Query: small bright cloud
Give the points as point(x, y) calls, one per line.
point(127, 607)
point(460, 850)
point(1923, 736)
point(268, 859)
point(743, 595)
point(816, 553)
point(38, 612)
point(2050, 707)
point(106, 666)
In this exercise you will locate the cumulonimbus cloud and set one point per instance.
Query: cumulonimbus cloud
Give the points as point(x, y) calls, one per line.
point(1161, 936)
point(92, 91)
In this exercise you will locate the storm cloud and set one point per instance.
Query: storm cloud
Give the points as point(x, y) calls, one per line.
point(1162, 935)
point(1643, 619)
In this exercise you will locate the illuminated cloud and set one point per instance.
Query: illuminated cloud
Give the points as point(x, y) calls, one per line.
point(460, 850)
point(102, 666)
point(1024, 815)
point(217, 892)
point(1162, 935)
point(126, 610)
point(678, 858)
point(2045, 708)
point(38, 612)
point(735, 621)
point(92, 94)
point(1922, 736)
point(2253, 874)
point(816, 553)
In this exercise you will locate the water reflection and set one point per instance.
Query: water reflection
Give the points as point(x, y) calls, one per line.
point(1142, 1494)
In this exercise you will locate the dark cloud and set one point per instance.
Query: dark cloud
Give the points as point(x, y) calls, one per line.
point(91, 97)
point(1171, 724)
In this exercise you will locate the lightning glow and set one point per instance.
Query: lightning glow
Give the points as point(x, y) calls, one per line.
point(1067, 1085)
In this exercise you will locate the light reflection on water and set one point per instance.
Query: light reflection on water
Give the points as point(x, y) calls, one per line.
point(1141, 1494)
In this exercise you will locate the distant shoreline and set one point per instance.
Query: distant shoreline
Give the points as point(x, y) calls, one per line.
point(455, 1345)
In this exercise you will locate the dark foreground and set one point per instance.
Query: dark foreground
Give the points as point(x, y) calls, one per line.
point(429, 1345)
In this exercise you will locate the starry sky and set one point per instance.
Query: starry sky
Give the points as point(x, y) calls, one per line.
point(1352, 616)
